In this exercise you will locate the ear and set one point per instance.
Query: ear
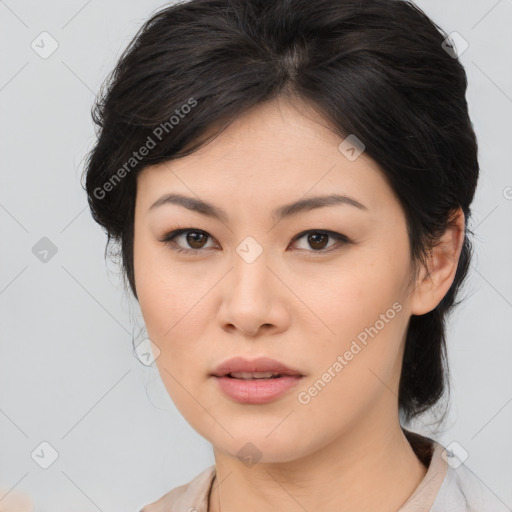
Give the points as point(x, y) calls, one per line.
point(435, 279)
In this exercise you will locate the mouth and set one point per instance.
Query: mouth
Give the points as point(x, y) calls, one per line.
point(256, 381)
point(255, 375)
point(256, 388)
point(260, 368)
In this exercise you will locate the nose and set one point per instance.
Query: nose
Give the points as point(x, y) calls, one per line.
point(253, 298)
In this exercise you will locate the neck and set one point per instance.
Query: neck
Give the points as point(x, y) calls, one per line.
point(372, 468)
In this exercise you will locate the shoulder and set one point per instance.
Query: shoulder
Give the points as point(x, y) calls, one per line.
point(189, 497)
point(449, 484)
point(463, 491)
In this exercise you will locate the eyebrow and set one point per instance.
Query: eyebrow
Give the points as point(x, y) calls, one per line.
point(288, 210)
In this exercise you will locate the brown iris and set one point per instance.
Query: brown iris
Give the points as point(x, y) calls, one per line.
point(316, 240)
point(194, 239)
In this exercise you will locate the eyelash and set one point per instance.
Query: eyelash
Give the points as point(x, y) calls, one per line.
point(168, 240)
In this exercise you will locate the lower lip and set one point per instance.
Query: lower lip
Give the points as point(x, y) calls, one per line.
point(257, 391)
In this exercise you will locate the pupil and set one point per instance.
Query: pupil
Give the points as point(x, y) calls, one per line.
point(314, 243)
point(192, 239)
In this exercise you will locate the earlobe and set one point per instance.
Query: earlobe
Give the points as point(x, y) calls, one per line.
point(434, 282)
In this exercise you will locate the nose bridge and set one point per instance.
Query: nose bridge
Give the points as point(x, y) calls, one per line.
point(250, 273)
point(250, 299)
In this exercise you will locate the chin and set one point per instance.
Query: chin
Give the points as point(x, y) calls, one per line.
point(256, 447)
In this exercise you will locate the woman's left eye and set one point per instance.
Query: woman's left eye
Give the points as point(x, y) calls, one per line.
point(318, 239)
point(195, 238)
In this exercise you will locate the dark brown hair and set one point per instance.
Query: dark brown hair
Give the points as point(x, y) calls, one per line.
point(377, 69)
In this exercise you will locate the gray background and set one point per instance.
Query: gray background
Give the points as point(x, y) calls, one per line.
point(68, 375)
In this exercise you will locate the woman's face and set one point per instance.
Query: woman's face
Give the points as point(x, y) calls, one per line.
point(334, 309)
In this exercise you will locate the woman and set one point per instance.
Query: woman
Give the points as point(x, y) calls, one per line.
point(290, 183)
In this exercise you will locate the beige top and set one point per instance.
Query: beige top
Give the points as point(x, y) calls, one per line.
point(448, 486)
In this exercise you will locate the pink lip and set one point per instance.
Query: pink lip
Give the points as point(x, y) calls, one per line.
point(261, 364)
point(257, 391)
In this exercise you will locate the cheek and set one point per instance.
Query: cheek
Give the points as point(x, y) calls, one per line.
point(166, 292)
point(174, 325)
point(174, 321)
point(356, 371)
point(365, 311)
point(168, 299)
point(351, 298)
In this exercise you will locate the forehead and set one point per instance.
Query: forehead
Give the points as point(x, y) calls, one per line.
point(274, 151)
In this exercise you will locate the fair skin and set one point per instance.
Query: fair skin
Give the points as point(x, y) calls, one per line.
point(300, 303)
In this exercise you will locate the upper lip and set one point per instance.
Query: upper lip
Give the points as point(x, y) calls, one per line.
point(261, 364)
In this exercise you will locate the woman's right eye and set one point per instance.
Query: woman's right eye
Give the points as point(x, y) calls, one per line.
point(193, 237)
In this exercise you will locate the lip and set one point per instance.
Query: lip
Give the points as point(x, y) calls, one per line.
point(261, 364)
point(257, 391)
